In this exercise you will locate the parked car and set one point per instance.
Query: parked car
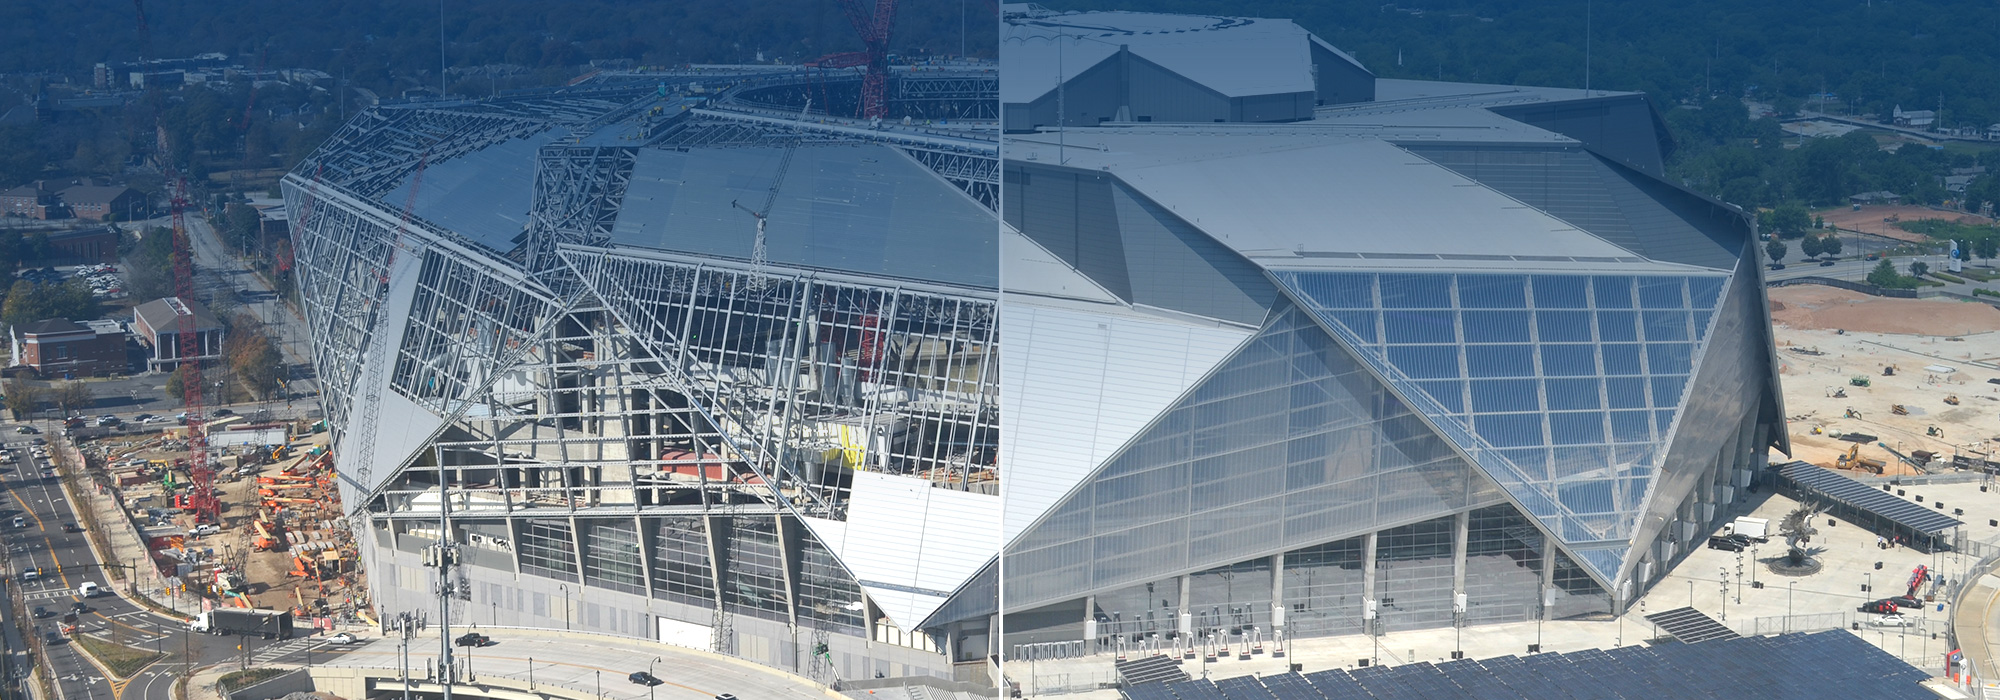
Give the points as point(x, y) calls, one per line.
point(1727, 544)
point(1890, 620)
point(206, 529)
point(644, 678)
point(473, 639)
point(41, 612)
point(1878, 606)
point(1903, 601)
point(342, 638)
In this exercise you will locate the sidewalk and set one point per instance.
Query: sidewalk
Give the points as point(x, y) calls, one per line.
point(128, 549)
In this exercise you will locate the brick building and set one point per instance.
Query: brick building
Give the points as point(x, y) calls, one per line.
point(33, 200)
point(60, 347)
point(95, 202)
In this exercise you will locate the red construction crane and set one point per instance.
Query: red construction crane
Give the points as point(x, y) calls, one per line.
point(874, 32)
point(188, 347)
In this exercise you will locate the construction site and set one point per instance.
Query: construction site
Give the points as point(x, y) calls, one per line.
point(279, 542)
point(1888, 386)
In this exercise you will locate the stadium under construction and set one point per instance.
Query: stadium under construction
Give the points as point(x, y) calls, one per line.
point(1290, 351)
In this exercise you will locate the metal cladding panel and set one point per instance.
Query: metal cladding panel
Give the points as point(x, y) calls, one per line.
point(1618, 204)
point(1729, 387)
point(1078, 385)
point(1359, 197)
point(401, 426)
point(1176, 266)
point(1028, 268)
point(910, 544)
point(865, 209)
point(485, 194)
point(1622, 127)
point(1563, 388)
point(1288, 443)
point(1229, 55)
point(1338, 78)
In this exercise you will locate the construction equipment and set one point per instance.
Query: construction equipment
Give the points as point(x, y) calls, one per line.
point(1898, 409)
point(1851, 413)
point(1932, 431)
point(1889, 371)
point(1854, 460)
point(1858, 381)
point(201, 500)
point(1951, 400)
point(874, 32)
point(757, 250)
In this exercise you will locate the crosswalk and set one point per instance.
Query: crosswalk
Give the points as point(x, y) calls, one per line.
point(47, 595)
point(262, 652)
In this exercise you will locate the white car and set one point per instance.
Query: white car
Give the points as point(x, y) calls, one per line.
point(342, 638)
point(1891, 620)
point(207, 529)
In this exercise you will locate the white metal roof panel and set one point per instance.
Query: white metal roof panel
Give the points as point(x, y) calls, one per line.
point(1081, 385)
point(401, 425)
point(910, 544)
point(484, 195)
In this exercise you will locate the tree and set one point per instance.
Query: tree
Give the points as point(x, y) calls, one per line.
point(1809, 246)
point(28, 302)
point(1789, 221)
point(1819, 221)
point(1775, 249)
point(1884, 275)
point(1987, 249)
point(1829, 245)
point(73, 397)
point(252, 356)
point(22, 398)
point(1919, 268)
point(177, 382)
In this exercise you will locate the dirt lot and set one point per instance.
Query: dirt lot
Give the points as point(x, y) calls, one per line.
point(1870, 219)
point(1813, 307)
point(1817, 360)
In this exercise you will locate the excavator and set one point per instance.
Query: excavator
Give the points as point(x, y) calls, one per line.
point(1854, 460)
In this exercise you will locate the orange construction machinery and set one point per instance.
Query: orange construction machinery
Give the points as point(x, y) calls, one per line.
point(268, 538)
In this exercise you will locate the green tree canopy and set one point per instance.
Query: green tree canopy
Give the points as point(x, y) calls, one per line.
point(28, 302)
point(1810, 246)
point(1775, 249)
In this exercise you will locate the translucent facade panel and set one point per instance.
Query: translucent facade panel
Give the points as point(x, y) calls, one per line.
point(1231, 599)
point(1325, 587)
point(753, 574)
point(1556, 370)
point(611, 555)
point(1577, 595)
point(1198, 488)
point(1413, 576)
point(1503, 566)
point(547, 549)
point(1138, 610)
point(828, 597)
point(681, 562)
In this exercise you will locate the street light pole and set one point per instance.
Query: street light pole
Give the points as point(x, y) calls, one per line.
point(565, 593)
point(651, 680)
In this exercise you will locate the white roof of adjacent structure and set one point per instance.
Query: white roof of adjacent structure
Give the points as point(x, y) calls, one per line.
point(1082, 382)
point(1028, 268)
point(1364, 196)
point(1230, 55)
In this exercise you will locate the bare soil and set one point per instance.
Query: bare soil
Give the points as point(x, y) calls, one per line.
point(1813, 307)
point(1871, 219)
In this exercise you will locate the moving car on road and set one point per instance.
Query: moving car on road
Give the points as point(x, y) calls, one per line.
point(473, 639)
point(643, 678)
point(342, 638)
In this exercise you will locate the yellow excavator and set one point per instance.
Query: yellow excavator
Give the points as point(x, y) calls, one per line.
point(1854, 460)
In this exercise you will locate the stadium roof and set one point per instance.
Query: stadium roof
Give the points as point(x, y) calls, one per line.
point(485, 194)
point(1233, 56)
point(865, 209)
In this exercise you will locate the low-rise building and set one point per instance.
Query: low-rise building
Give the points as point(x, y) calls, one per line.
point(65, 348)
point(77, 246)
point(33, 200)
point(1915, 119)
point(157, 323)
point(95, 202)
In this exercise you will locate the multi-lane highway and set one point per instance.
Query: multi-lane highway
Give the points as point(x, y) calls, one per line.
point(48, 559)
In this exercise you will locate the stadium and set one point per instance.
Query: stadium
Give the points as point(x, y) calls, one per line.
point(667, 355)
point(1294, 351)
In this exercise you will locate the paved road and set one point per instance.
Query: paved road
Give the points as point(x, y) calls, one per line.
point(65, 561)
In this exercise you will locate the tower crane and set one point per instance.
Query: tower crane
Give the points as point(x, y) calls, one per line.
point(874, 31)
point(757, 250)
